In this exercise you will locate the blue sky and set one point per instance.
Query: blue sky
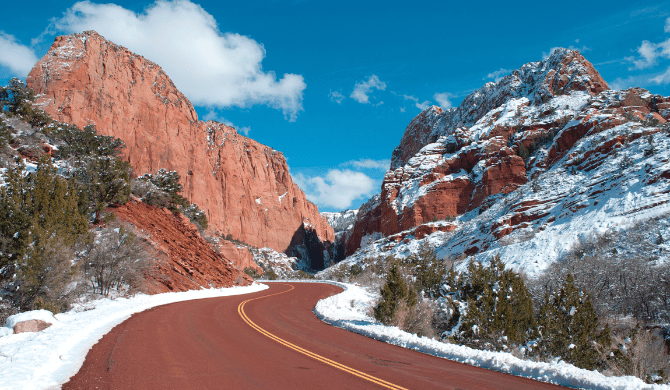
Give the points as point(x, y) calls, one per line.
point(334, 84)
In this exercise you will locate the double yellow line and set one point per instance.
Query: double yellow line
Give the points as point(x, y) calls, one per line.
point(381, 382)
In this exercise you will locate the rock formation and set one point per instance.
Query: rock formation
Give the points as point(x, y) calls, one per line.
point(503, 136)
point(184, 260)
point(244, 187)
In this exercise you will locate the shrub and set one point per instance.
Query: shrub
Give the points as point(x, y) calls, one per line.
point(252, 272)
point(115, 259)
point(197, 216)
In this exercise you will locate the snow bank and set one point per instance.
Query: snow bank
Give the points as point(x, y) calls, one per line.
point(348, 310)
point(43, 315)
point(49, 358)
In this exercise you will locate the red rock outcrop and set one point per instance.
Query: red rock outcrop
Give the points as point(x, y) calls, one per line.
point(244, 186)
point(185, 261)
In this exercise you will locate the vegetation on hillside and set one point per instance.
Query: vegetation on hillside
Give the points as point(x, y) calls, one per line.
point(57, 241)
point(568, 314)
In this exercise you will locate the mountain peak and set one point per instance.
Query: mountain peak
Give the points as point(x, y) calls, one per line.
point(564, 71)
point(244, 186)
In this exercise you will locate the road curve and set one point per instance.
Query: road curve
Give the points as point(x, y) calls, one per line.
point(266, 340)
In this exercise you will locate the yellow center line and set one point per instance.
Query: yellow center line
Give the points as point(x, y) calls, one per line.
point(381, 382)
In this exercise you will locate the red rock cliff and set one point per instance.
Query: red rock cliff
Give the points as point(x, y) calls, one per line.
point(244, 187)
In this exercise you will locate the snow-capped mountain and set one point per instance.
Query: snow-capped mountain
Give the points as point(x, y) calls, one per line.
point(524, 167)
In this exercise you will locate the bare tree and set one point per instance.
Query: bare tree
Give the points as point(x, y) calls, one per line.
point(116, 259)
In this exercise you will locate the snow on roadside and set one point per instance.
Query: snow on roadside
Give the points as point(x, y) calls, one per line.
point(348, 310)
point(45, 360)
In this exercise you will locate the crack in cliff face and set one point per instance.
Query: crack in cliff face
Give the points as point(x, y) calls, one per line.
point(217, 162)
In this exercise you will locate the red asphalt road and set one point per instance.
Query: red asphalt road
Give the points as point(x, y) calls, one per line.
point(206, 344)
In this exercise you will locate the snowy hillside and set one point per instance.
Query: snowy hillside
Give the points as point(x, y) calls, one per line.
point(524, 168)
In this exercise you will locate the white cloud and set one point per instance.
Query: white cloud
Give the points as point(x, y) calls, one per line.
point(211, 68)
point(338, 189)
point(362, 89)
point(498, 74)
point(649, 54)
point(420, 105)
point(663, 78)
point(18, 58)
point(443, 99)
point(336, 97)
point(403, 109)
point(369, 164)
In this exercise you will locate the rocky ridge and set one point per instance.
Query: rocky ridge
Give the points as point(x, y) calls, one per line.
point(244, 187)
point(521, 162)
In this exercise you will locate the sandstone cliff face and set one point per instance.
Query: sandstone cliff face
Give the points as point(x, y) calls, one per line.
point(504, 135)
point(185, 261)
point(244, 187)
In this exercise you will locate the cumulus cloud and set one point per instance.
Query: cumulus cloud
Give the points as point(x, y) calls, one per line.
point(420, 105)
point(443, 99)
point(498, 74)
point(338, 189)
point(212, 68)
point(663, 78)
point(369, 164)
point(18, 58)
point(362, 89)
point(336, 97)
point(648, 54)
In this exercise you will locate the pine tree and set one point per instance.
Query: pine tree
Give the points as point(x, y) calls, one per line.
point(569, 327)
point(429, 271)
point(5, 134)
point(500, 308)
point(40, 221)
point(393, 292)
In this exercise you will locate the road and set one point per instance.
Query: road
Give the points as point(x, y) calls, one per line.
point(266, 340)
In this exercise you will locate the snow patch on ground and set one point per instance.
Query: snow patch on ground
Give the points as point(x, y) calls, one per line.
point(46, 359)
point(348, 310)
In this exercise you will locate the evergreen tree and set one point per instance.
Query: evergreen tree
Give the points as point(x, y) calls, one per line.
point(5, 134)
point(394, 291)
point(87, 142)
point(17, 99)
point(569, 327)
point(429, 271)
point(40, 220)
point(167, 190)
point(102, 180)
point(500, 308)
